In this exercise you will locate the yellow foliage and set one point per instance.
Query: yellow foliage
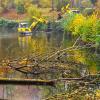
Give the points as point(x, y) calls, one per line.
point(92, 19)
point(98, 94)
point(1, 71)
point(79, 57)
point(77, 22)
point(83, 25)
point(93, 68)
point(18, 1)
point(32, 10)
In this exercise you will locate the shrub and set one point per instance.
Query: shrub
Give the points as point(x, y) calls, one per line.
point(20, 8)
point(76, 23)
point(8, 23)
point(87, 29)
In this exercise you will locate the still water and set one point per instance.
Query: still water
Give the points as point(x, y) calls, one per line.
point(13, 46)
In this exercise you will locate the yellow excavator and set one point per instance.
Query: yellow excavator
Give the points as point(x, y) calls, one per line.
point(66, 9)
point(24, 27)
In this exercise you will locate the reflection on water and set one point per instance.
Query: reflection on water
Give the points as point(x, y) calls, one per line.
point(24, 41)
point(13, 45)
point(20, 92)
point(7, 45)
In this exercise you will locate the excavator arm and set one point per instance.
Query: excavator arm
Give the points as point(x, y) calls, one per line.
point(37, 20)
point(66, 9)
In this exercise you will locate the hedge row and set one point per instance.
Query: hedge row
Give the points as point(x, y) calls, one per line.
point(8, 23)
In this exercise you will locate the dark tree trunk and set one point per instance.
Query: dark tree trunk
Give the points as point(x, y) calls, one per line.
point(52, 5)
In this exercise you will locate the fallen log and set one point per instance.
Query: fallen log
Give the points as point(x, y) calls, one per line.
point(15, 81)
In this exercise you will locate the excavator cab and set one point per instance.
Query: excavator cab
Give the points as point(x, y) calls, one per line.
point(23, 28)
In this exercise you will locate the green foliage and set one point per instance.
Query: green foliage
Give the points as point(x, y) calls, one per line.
point(89, 31)
point(67, 20)
point(97, 32)
point(11, 24)
point(20, 8)
point(83, 29)
point(98, 27)
point(22, 5)
point(56, 26)
point(7, 23)
point(41, 26)
point(1, 22)
point(88, 27)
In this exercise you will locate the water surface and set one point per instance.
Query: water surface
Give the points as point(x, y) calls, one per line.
point(13, 46)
